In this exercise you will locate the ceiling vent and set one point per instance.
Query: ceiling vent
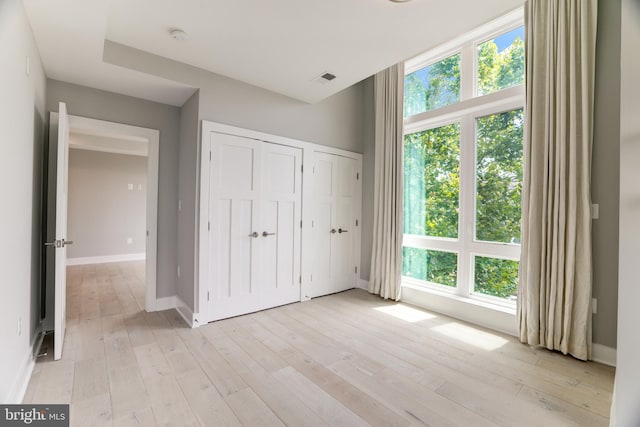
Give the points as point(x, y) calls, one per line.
point(325, 78)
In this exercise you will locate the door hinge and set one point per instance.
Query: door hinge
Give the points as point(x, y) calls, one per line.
point(209, 155)
point(300, 280)
point(356, 222)
point(356, 269)
point(357, 175)
point(311, 278)
point(209, 225)
point(301, 168)
point(208, 297)
point(300, 223)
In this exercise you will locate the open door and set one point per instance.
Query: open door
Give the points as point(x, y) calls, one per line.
point(59, 244)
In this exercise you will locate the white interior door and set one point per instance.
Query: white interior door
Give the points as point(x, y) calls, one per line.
point(333, 224)
point(255, 211)
point(281, 208)
point(60, 310)
point(234, 220)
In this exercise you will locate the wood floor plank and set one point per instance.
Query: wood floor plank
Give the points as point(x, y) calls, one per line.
point(349, 359)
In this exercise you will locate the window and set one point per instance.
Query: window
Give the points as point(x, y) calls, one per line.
point(463, 147)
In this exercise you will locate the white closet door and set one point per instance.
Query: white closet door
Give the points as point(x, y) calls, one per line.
point(235, 191)
point(281, 207)
point(334, 234)
point(255, 207)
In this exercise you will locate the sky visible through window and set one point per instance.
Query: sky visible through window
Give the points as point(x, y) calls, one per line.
point(505, 40)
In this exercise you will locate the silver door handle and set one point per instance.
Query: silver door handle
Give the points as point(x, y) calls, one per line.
point(254, 234)
point(59, 243)
point(342, 230)
point(265, 234)
point(333, 231)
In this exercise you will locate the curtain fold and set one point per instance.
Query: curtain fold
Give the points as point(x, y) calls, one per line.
point(554, 293)
point(386, 256)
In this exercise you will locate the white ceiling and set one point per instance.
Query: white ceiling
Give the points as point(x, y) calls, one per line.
point(280, 45)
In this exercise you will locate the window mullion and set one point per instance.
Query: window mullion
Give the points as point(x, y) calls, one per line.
point(467, 203)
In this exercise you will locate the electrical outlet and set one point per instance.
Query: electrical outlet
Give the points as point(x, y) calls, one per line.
point(129, 240)
point(130, 186)
point(179, 205)
point(178, 271)
point(28, 70)
point(595, 211)
point(594, 305)
point(19, 327)
point(139, 187)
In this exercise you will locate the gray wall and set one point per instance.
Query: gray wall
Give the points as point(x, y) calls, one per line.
point(368, 166)
point(98, 104)
point(102, 211)
point(625, 411)
point(22, 118)
point(337, 121)
point(606, 172)
point(187, 194)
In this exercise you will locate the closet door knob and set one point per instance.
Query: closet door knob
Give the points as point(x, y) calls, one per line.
point(254, 234)
point(265, 234)
point(342, 230)
point(333, 231)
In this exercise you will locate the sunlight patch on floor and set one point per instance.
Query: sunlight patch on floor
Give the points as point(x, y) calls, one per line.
point(405, 313)
point(477, 338)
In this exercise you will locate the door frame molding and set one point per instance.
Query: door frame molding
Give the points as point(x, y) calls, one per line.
point(78, 124)
point(201, 316)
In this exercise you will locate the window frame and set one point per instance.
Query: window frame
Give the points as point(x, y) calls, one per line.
point(466, 112)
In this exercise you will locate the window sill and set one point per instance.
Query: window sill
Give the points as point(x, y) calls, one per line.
point(481, 312)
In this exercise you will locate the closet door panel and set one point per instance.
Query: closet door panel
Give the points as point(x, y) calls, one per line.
point(282, 210)
point(234, 200)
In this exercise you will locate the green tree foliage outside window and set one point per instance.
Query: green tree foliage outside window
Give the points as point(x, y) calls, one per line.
point(501, 68)
point(431, 266)
point(432, 172)
point(432, 182)
point(432, 87)
point(496, 277)
point(499, 177)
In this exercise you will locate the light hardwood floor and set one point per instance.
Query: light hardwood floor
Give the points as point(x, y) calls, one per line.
point(348, 359)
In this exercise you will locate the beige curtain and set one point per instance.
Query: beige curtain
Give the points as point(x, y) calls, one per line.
point(386, 257)
point(554, 294)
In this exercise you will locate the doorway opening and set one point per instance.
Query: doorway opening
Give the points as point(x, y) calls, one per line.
point(119, 144)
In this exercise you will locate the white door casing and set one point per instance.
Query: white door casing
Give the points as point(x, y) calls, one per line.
point(254, 211)
point(59, 245)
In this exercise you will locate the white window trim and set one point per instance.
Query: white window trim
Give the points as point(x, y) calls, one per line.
point(466, 111)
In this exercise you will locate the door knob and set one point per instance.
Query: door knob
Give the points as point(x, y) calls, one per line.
point(254, 234)
point(342, 230)
point(59, 243)
point(333, 231)
point(265, 234)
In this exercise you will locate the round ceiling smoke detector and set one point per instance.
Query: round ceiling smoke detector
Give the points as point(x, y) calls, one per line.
point(178, 34)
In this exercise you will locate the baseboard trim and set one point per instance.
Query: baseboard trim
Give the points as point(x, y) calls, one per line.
point(186, 313)
point(16, 395)
point(363, 284)
point(106, 259)
point(165, 303)
point(603, 354)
